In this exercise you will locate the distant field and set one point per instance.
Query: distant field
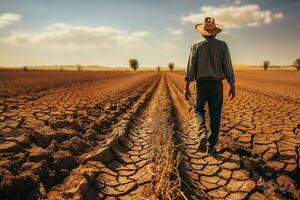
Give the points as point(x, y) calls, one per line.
point(122, 69)
point(131, 135)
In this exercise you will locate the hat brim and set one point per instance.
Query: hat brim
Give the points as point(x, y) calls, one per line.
point(200, 29)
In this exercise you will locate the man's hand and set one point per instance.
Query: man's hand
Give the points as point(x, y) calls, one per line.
point(231, 92)
point(187, 94)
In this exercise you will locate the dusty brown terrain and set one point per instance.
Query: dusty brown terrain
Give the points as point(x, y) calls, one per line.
point(121, 135)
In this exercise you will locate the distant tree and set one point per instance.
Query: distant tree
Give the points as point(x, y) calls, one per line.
point(266, 65)
point(158, 68)
point(25, 68)
point(79, 68)
point(171, 66)
point(297, 64)
point(134, 64)
point(61, 68)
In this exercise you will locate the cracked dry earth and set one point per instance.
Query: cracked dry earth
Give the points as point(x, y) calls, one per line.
point(119, 135)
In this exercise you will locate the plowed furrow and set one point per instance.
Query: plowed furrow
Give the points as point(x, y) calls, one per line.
point(110, 165)
point(132, 160)
point(263, 132)
point(136, 163)
point(83, 103)
point(40, 83)
point(58, 149)
point(118, 133)
point(220, 176)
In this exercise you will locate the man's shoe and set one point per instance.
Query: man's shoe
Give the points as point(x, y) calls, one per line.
point(203, 142)
point(211, 150)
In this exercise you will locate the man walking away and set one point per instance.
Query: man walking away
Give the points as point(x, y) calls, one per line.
point(209, 63)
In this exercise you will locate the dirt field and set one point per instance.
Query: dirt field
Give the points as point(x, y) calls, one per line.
point(123, 135)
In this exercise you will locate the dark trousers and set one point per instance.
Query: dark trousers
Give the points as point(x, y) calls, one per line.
point(210, 91)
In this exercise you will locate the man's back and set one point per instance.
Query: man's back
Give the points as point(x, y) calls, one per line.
point(209, 58)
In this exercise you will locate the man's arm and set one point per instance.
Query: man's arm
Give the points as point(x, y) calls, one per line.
point(190, 72)
point(228, 72)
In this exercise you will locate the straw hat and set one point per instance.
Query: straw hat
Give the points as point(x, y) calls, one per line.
point(209, 27)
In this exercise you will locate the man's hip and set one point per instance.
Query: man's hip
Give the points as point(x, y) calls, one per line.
point(209, 87)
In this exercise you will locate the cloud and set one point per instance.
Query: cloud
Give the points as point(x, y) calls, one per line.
point(172, 40)
point(234, 16)
point(73, 36)
point(278, 15)
point(7, 19)
point(174, 32)
point(237, 2)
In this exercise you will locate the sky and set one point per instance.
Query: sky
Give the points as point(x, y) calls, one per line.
point(156, 32)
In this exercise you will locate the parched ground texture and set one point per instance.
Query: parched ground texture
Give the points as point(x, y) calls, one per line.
point(122, 135)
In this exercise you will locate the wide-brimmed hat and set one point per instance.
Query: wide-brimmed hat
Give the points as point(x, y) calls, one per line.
point(209, 27)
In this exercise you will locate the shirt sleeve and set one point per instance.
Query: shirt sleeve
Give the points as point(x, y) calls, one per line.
point(191, 65)
point(227, 67)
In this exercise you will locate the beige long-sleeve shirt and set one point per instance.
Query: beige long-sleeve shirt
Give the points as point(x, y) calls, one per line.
point(209, 58)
